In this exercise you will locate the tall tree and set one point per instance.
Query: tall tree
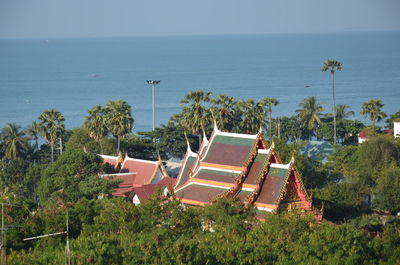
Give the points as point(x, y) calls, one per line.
point(195, 111)
point(269, 102)
point(224, 108)
point(332, 66)
point(33, 133)
point(119, 119)
point(95, 123)
point(372, 108)
point(14, 143)
point(51, 124)
point(343, 112)
point(253, 115)
point(309, 114)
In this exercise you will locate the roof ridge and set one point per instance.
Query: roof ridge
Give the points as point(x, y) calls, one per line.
point(140, 160)
point(107, 156)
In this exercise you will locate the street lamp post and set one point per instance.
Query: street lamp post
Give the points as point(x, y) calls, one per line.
point(153, 83)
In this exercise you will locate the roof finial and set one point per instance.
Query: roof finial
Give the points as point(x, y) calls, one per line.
point(204, 134)
point(158, 156)
point(292, 158)
point(187, 142)
point(214, 120)
point(260, 130)
point(273, 144)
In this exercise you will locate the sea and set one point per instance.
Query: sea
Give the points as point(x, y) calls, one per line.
point(73, 75)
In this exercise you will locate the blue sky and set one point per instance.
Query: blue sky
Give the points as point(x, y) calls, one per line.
point(108, 18)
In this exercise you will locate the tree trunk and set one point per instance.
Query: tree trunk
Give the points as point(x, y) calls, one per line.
point(118, 140)
point(334, 107)
point(52, 152)
point(373, 127)
point(101, 147)
point(61, 145)
point(270, 124)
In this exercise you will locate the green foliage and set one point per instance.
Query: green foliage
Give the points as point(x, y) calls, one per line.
point(75, 174)
point(170, 140)
point(387, 191)
point(95, 123)
point(372, 108)
point(195, 114)
point(118, 119)
point(80, 140)
point(51, 124)
point(376, 154)
point(13, 143)
point(309, 114)
point(139, 147)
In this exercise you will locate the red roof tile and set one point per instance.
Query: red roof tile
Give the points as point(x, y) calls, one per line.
point(144, 192)
point(112, 160)
point(145, 170)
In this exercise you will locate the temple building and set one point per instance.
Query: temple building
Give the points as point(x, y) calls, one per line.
point(243, 166)
point(135, 173)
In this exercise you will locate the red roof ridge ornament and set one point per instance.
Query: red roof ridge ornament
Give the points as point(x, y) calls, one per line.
point(292, 159)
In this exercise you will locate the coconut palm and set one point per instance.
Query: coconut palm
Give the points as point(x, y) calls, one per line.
point(195, 111)
point(332, 66)
point(33, 133)
point(51, 123)
point(343, 112)
point(253, 115)
point(372, 108)
point(309, 114)
point(224, 108)
point(119, 121)
point(14, 143)
point(95, 123)
point(269, 102)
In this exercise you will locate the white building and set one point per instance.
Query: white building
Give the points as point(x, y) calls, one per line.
point(396, 130)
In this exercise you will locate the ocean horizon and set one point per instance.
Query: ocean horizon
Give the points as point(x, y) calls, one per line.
point(73, 75)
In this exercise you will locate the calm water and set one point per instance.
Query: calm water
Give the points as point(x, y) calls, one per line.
point(72, 75)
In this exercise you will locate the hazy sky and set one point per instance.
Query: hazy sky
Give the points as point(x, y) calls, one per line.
point(103, 18)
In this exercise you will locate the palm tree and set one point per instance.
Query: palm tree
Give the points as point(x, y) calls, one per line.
point(33, 133)
point(14, 143)
point(51, 123)
point(195, 112)
point(342, 111)
point(310, 113)
point(269, 102)
point(95, 123)
point(224, 107)
point(333, 66)
point(373, 109)
point(119, 119)
point(253, 115)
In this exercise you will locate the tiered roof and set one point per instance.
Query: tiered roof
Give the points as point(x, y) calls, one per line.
point(241, 165)
point(135, 173)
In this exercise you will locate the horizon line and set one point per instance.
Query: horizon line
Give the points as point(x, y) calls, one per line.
point(199, 35)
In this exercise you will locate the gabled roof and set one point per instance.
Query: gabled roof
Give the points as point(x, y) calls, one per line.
point(145, 170)
point(112, 160)
point(125, 187)
point(273, 184)
point(185, 170)
point(240, 165)
point(230, 149)
point(135, 173)
point(144, 193)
